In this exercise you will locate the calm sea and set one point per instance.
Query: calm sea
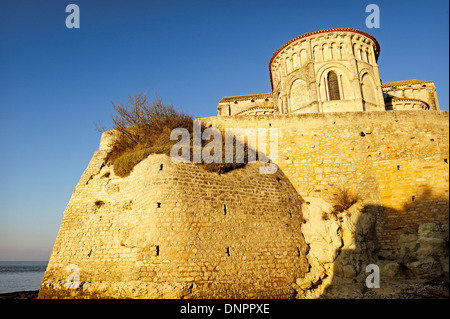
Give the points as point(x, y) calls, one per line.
point(21, 275)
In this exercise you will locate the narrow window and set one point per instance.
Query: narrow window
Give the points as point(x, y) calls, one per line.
point(161, 167)
point(157, 250)
point(228, 251)
point(224, 209)
point(158, 205)
point(333, 86)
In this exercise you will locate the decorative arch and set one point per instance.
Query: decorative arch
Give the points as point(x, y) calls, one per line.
point(333, 86)
point(303, 57)
point(317, 54)
point(368, 88)
point(288, 62)
point(280, 103)
point(327, 54)
point(296, 61)
point(335, 51)
point(346, 89)
point(299, 94)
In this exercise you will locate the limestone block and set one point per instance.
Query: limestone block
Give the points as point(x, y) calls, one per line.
point(431, 247)
point(428, 267)
point(392, 270)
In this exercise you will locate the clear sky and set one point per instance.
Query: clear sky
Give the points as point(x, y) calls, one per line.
point(55, 82)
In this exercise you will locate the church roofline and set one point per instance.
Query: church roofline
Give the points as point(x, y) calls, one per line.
point(405, 82)
point(246, 97)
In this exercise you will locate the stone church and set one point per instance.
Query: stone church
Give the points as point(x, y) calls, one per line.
point(332, 70)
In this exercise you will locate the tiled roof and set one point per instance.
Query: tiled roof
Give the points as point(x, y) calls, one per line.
point(405, 82)
point(246, 97)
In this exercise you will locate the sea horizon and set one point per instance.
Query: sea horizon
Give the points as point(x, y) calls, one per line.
point(18, 276)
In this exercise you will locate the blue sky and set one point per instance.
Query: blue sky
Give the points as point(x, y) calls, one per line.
point(55, 82)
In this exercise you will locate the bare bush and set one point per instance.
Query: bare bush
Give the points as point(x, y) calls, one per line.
point(343, 199)
point(144, 128)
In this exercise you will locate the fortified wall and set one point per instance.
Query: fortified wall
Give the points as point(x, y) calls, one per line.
point(397, 162)
point(177, 231)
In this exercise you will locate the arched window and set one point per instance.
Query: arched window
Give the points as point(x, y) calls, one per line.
point(333, 86)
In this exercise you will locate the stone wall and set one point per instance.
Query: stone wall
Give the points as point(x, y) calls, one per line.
point(175, 230)
point(397, 162)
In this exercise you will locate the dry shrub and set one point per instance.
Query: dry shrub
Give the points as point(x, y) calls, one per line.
point(343, 199)
point(142, 124)
point(144, 128)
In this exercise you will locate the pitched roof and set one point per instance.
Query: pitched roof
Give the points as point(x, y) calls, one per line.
point(405, 82)
point(246, 97)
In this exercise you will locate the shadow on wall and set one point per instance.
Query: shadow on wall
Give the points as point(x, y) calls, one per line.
point(396, 256)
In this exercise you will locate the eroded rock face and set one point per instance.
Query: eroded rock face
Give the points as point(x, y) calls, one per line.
point(427, 251)
point(342, 245)
point(177, 231)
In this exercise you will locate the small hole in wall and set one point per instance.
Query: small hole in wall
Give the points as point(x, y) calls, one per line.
point(158, 205)
point(432, 139)
point(161, 167)
point(362, 134)
point(398, 167)
point(413, 198)
point(270, 124)
point(445, 160)
point(228, 251)
point(298, 252)
point(157, 250)
point(290, 213)
point(224, 209)
point(99, 203)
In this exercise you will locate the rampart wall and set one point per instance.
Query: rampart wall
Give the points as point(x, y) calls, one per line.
point(397, 162)
point(178, 231)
